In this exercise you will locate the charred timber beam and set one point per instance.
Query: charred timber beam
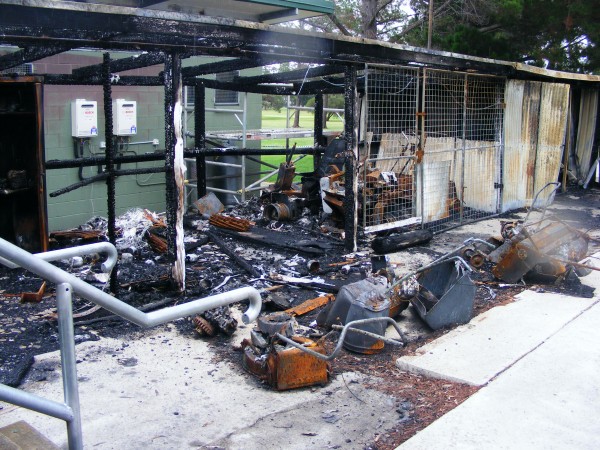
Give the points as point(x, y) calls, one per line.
point(79, 184)
point(227, 86)
point(107, 27)
point(200, 137)
point(232, 254)
point(319, 139)
point(96, 80)
point(171, 185)
point(292, 75)
point(232, 151)
point(101, 160)
point(103, 176)
point(110, 165)
point(232, 64)
point(351, 138)
point(119, 65)
point(30, 54)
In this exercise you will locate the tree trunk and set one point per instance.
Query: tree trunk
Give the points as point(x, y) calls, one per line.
point(297, 114)
point(368, 24)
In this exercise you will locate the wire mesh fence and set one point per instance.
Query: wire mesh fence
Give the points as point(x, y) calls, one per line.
point(391, 141)
point(457, 180)
point(462, 144)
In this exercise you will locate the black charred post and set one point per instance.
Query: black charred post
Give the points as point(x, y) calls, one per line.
point(318, 128)
point(191, 152)
point(350, 136)
point(200, 138)
point(110, 164)
point(171, 186)
point(79, 184)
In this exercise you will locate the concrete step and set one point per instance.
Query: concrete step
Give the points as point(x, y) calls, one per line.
point(22, 436)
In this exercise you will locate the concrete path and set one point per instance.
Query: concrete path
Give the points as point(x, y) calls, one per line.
point(163, 390)
point(550, 399)
point(539, 359)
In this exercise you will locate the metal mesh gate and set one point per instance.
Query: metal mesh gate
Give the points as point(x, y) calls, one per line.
point(391, 139)
point(462, 141)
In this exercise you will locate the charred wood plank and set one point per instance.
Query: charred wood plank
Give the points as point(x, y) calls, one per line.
point(119, 65)
point(396, 242)
point(30, 54)
point(238, 259)
point(292, 75)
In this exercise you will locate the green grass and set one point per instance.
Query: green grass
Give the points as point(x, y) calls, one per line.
point(273, 120)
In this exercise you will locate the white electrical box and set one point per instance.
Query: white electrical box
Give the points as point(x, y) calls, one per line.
point(84, 118)
point(124, 117)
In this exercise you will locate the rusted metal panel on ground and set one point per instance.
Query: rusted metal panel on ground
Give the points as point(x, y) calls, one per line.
point(527, 251)
point(588, 111)
point(554, 109)
point(287, 368)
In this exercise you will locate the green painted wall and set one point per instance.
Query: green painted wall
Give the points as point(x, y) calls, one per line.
point(145, 191)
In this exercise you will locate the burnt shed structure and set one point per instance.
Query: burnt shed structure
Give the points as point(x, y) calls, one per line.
point(454, 138)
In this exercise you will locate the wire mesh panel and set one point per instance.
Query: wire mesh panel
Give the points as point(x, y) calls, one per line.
point(462, 144)
point(391, 141)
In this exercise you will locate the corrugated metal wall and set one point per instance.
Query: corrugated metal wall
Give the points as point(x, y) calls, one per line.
point(588, 111)
point(554, 108)
point(535, 122)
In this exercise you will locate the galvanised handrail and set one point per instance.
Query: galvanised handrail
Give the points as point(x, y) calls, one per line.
point(67, 284)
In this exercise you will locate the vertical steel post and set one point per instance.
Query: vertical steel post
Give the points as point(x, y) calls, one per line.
point(244, 144)
point(110, 164)
point(464, 150)
point(68, 363)
point(200, 137)
point(319, 140)
point(350, 135)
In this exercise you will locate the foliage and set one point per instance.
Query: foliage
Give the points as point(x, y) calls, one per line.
point(557, 34)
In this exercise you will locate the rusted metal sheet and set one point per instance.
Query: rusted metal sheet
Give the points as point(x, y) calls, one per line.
point(521, 120)
point(287, 368)
point(310, 305)
point(515, 157)
point(480, 167)
point(554, 109)
point(525, 252)
point(588, 110)
point(433, 204)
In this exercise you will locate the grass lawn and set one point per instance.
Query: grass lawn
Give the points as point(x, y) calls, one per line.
point(273, 120)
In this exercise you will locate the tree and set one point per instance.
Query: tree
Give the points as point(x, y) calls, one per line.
point(557, 34)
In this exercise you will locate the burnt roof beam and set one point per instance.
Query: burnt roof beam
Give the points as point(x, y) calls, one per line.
point(232, 64)
point(292, 75)
point(230, 86)
point(30, 54)
point(106, 27)
point(120, 65)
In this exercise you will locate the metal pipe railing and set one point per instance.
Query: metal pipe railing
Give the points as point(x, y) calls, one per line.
point(350, 326)
point(67, 284)
point(51, 273)
point(105, 248)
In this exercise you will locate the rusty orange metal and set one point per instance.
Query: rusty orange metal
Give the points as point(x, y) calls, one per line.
point(287, 368)
point(230, 223)
point(310, 305)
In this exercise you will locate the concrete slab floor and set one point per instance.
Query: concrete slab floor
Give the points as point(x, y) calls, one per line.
point(160, 389)
point(549, 399)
